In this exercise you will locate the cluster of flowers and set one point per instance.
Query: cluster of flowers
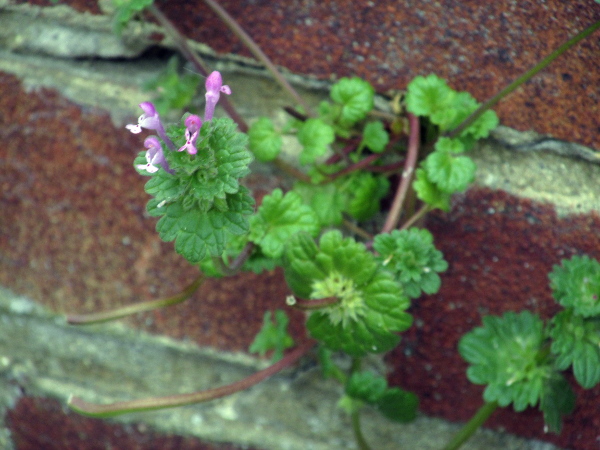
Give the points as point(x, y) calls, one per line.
point(151, 121)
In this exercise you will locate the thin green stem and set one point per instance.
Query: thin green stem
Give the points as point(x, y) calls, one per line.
point(471, 426)
point(407, 175)
point(258, 53)
point(416, 216)
point(197, 62)
point(523, 78)
point(154, 403)
point(358, 434)
point(93, 318)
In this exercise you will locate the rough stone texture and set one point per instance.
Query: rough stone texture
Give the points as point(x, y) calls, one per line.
point(41, 423)
point(500, 249)
point(74, 237)
point(44, 360)
point(478, 46)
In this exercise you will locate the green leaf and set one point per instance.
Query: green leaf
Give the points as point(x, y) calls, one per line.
point(172, 90)
point(315, 136)
point(358, 194)
point(576, 284)
point(326, 201)
point(365, 191)
point(265, 142)
point(576, 341)
point(427, 96)
point(125, 10)
point(507, 354)
point(398, 405)
point(394, 403)
point(371, 307)
point(366, 386)
point(375, 137)
point(197, 232)
point(356, 97)
point(165, 187)
point(557, 400)
point(452, 146)
point(449, 172)
point(431, 97)
point(278, 218)
point(273, 336)
point(412, 257)
point(482, 126)
point(429, 192)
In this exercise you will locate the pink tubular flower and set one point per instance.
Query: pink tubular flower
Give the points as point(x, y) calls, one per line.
point(192, 127)
point(154, 156)
point(214, 87)
point(151, 121)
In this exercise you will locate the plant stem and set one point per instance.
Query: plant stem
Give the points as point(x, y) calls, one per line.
point(197, 62)
point(290, 170)
point(93, 318)
point(360, 165)
point(357, 230)
point(409, 168)
point(154, 403)
point(235, 266)
point(524, 78)
point(257, 52)
point(358, 435)
point(472, 425)
point(416, 216)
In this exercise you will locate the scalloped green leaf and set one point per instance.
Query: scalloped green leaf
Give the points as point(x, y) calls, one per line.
point(366, 386)
point(278, 218)
point(557, 401)
point(449, 172)
point(315, 136)
point(506, 354)
point(412, 257)
point(576, 284)
point(264, 141)
point(273, 335)
point(326, 200)
point(199, 233)
point(426, 96)
point(371, 307)
point(429, 192)
point(365, 191)
point(375, 137)
point(164, 187)
point(357, 98)
point(576, 342)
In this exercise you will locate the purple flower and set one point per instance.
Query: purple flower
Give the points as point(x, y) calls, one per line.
point(214, 87)
point(192, 127)
point(151, 121)
point(154, 156)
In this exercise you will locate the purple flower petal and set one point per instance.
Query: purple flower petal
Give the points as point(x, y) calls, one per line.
point(190, 142)
point(214, 87)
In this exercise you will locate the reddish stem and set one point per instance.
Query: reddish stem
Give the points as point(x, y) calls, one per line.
point(105, 316)
point(150, 404)
point(257, 52)
point(193, 57)
point(409, 168)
